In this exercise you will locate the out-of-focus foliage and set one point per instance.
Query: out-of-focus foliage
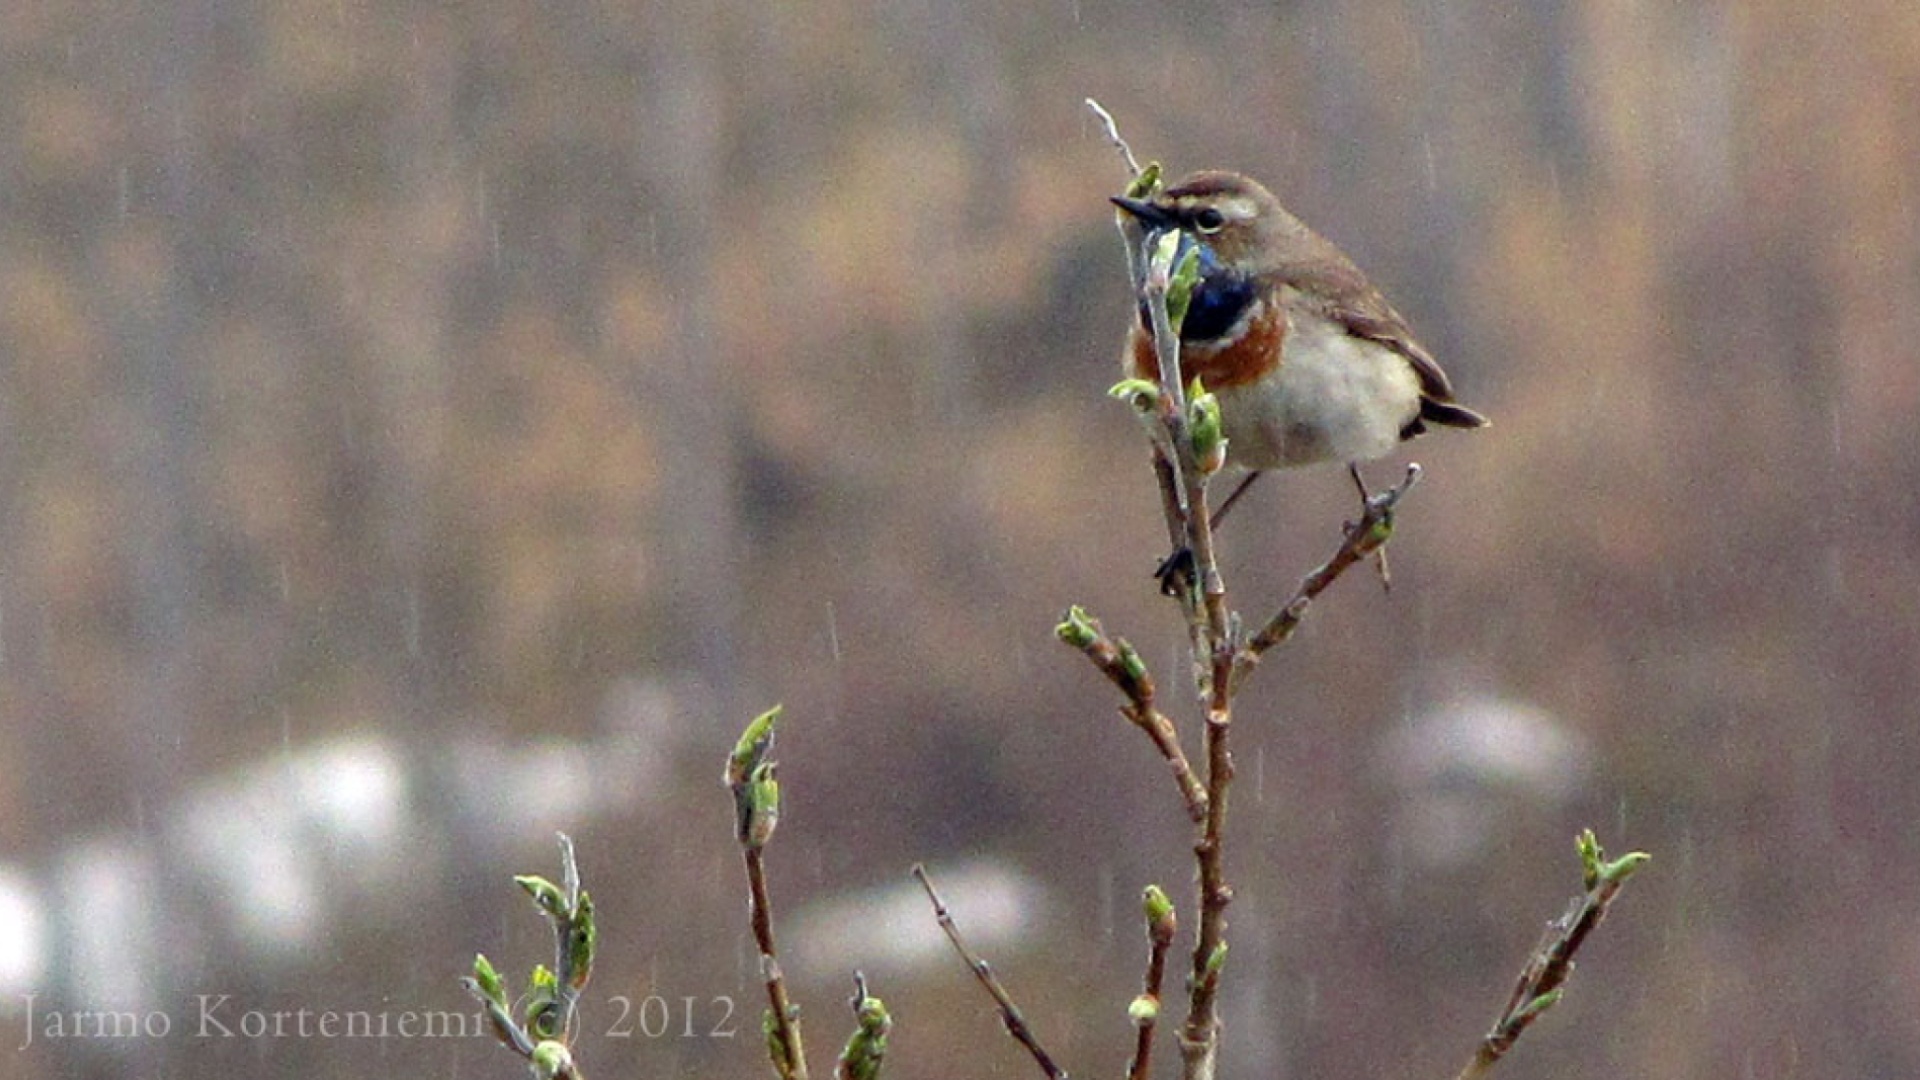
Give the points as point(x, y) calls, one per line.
point(425, 366)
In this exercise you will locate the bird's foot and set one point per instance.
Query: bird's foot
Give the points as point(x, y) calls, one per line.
point(1175, 572)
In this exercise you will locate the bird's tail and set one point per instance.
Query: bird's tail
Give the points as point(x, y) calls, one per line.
point(1449, 414)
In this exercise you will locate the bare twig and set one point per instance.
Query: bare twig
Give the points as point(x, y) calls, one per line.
point(506, 1029)
point(1166, 739)
point(785, 1016)
point(756, 798)
point(1361, 539)
point(1010, 1015)
point(1113, 136)
point(866, 1048)
point(1155, 265)
point(1161, 925)
point(1543, 979)
point(1183, 481)
point(1215, 651)
point(1122, 666)
point(569, 974)
point(1172, 401)
point(1200, 1035)
point(542, 1035)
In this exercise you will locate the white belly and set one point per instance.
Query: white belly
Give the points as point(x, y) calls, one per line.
point(1335, 398)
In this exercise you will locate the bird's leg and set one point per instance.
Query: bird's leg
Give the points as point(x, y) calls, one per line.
point(1220, 515)
point(1180, 563)
point(1366, 500)
point(1360, 485)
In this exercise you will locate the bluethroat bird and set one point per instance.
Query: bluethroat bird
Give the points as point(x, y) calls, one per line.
point(1309, 361)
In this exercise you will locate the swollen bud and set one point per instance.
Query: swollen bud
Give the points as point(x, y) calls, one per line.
point(1148, 182)
point(1161, 923)
point(553, 1061)
point(545, 893)
point(1204, 428)
point(1181, 283)
point(759, 807)
point(488, 980)
point(582, 936)
point(755, 743)
point(1077, 628)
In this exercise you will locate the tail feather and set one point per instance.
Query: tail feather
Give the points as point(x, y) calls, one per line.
point(1449, 414)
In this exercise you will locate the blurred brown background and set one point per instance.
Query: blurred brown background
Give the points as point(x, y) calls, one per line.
point(504, 372)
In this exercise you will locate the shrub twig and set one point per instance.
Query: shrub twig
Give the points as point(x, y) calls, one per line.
point(1145, 1010)
point(1360, 539)
point(1184, 427)
point(1010, 1014)
point(1122, 666)
point(866, 1048)
point(1543, 979)
point(542, 1036)
point(756, 799)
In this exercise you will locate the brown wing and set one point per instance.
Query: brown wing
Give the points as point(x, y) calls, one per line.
point(1349, 299)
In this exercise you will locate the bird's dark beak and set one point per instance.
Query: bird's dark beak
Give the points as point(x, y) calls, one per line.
point(1149, 215)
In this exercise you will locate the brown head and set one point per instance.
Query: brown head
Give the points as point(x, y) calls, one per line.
point(1241, 221)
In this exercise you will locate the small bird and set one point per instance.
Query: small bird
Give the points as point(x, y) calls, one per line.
point(1309, 361)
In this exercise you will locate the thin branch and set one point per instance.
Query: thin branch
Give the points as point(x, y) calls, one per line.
point(569, 980)
point(1361, 539)
point(506, 1029)
point(1211, 628)
point(1113, 136)
point(1212, 631)
point(1172, 400)
point(1123, 667)
point(1166, 739)
point(1010, 1015)
point(785, 1015)
point(750, 777)
point(1200, 1035)
point(1184, 483)
point(543, 1035)
point(1544, 978)
point(1176, 572)
point(1161, 926)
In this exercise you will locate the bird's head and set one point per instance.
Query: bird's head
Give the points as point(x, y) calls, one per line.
point(1239, 222)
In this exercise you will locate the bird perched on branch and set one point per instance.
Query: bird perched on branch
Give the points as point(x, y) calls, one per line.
point(1308, 360)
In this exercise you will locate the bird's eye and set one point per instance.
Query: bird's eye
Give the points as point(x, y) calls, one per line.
point(1209, 220)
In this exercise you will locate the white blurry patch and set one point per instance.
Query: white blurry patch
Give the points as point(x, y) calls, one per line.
point(522, 791)
point(1465, 773)
point(528, 789)
point(23, 938)
point(275, 856)
point(279, 840)
point(354, 793)
point(996, 906)
point(105, 892)
point(640, 721)
point(242, 837)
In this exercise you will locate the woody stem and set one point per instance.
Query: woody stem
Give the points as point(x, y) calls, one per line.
point(1215, 653)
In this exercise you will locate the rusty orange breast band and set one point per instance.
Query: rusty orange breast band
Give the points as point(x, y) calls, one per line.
point(1250, 351)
